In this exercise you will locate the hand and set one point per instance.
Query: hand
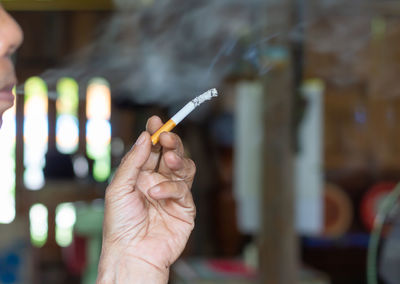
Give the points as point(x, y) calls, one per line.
point(149, 211)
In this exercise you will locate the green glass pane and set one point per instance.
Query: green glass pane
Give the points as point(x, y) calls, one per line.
point(99, 81)
point(35, 86)
point(64, 236)
point(38, 224)
point(102, 169)
point(96, 153)
point(68, 96)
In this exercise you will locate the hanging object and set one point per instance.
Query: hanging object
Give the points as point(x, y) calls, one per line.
point(338, 211)
point(372, 201)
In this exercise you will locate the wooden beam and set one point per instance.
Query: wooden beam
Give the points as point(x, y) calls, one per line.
point(278, 245)
point(277, 240)
point(60, 191)
point(58, 5)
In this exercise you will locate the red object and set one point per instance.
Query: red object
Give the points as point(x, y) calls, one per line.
point(338, 211)
point(231, 267)
point(372, 200)
point(75, 255)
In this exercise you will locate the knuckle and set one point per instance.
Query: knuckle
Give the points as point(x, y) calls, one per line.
point(177, 140)
point(123, 160)
point(194, 212)
point(192, 167)
point(172, 136)
point(167, 186)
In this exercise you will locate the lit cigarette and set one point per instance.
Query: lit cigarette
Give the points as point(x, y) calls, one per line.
point(180, 115)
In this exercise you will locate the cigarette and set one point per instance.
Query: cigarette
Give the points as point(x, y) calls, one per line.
point(185, 111)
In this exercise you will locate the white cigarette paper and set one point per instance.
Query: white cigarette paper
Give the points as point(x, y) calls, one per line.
point(180, 115)
point(190, 106)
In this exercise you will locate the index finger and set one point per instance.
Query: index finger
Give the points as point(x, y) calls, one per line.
point(153, 124)
point(131, 165)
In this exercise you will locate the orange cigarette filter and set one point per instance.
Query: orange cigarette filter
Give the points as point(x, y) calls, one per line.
point(180, 115)
point(168, 126)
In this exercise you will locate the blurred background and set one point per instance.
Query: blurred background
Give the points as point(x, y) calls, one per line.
point(297, 159)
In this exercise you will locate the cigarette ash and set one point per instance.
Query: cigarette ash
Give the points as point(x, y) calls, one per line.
point(205, 97)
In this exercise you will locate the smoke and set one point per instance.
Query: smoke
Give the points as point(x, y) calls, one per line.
point(352, 43)
point(170, 50)
point(337, 37)
point(167, 51)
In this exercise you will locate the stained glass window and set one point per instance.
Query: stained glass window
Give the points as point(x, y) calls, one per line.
point(65, 221)
point(38, 224)
point(67, 125)
point(35, 132)
point(7, 167)
point(98, 128)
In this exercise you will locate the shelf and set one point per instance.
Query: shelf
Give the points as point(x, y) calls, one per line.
point(353, 240)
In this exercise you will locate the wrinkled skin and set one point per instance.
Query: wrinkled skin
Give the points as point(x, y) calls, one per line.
point(149, 211)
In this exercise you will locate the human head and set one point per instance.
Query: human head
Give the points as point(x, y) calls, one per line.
point(10, 39)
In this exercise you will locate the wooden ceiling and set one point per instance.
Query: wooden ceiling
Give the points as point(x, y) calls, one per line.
point(57, 5)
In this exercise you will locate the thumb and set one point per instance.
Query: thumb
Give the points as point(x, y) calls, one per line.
point(131, 165)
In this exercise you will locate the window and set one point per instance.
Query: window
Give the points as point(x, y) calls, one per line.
point(65, 221)
point(67, 125)
point(35, 132)
point(36, 137)
point(7, 167)
point(38, 224)
point(98, 128)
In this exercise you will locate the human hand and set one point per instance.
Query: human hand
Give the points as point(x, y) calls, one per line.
point(149, 211)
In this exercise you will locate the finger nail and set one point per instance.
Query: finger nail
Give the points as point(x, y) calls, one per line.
point(141, 139)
